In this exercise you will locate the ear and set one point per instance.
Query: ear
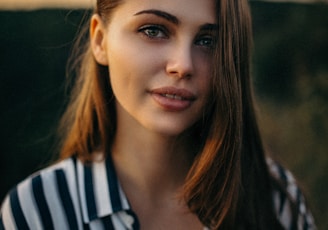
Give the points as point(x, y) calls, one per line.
point(98, 39)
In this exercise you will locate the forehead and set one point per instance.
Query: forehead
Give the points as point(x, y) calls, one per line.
point(196, 10)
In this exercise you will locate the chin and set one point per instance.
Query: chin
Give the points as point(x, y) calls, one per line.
point(171, 130)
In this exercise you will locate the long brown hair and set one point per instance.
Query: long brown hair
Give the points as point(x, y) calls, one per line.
point(228, 186)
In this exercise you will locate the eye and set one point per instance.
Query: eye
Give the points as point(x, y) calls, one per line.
point(153, 31)
point(207, 41)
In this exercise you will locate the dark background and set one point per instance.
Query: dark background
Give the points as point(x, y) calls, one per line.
point(290, 80)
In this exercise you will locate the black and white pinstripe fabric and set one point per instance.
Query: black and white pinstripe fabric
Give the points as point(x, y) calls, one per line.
point(282, 203)
point(73, 195)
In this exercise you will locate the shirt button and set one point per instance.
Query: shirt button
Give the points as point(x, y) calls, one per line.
point(127, 219)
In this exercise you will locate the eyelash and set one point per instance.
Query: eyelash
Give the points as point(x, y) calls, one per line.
point(158, 29)
point(162, 33)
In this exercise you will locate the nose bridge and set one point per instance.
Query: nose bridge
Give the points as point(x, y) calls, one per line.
point(181, 60)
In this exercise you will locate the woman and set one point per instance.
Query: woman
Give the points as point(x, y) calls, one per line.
point(161, 130)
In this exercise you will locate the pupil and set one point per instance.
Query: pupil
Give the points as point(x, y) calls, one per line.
point(152, 32)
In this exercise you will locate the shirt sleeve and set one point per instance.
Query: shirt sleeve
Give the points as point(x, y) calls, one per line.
point(18, 209)
point(283, 201)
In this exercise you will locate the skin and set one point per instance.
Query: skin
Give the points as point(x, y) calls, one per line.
point(156, 49)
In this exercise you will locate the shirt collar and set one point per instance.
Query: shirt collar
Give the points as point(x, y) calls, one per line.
point(99, 190)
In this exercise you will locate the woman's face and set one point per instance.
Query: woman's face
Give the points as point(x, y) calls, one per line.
point(159, 55)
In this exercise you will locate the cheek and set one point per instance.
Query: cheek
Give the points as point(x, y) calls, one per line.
point(128, 72)
point(132, 62)
point(205, 75)
point(206, 88)
point(205, 82)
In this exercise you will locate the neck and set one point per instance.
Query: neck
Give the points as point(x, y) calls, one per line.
point(153, 164)
point(153, 160)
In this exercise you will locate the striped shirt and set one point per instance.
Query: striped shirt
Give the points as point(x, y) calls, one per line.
point(73, 195)
point(282, 204)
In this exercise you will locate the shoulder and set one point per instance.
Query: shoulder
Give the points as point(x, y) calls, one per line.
point(289, 202)
point(71, 194)
point(34, 201)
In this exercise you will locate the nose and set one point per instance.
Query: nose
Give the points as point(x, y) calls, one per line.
point(180, 61)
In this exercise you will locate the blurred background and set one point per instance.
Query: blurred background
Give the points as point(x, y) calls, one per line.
point(290, 69)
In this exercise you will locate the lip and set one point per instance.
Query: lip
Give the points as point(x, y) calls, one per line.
point(172, 98)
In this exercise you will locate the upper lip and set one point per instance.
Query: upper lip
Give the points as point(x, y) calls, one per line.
point(178, 92)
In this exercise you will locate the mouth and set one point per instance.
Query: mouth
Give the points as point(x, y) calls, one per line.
point(173, 96)
point(173, 99)
point(174, 93)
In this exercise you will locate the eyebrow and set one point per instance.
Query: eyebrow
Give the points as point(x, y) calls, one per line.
point(175, 20)
point(161, 14)
point(209, 26)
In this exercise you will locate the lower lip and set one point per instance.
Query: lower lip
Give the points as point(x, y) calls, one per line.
point(171, 104)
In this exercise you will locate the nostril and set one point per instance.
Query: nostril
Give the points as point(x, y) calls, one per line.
point(180, 74)
point(181, 68)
